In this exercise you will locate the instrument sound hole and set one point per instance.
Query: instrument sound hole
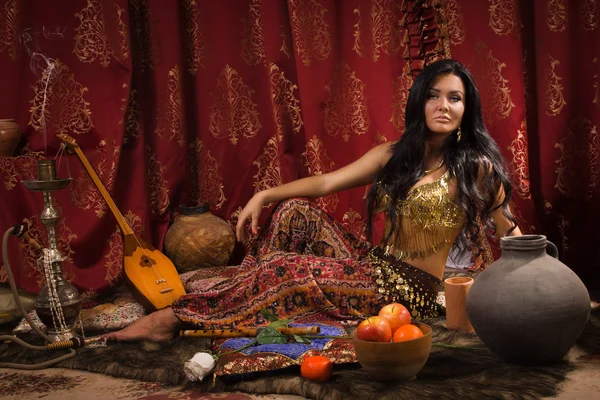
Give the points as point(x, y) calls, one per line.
point(146, 261)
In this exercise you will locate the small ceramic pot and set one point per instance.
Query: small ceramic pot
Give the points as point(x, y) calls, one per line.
point(10, 134)
point(455, 290)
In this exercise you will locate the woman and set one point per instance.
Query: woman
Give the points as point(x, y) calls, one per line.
point(441, 183)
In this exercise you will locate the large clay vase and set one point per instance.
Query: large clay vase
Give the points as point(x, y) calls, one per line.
point(10, 134)
point(527, 306)
point(198, 239)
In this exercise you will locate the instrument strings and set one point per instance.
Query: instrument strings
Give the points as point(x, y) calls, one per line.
point(157, 276)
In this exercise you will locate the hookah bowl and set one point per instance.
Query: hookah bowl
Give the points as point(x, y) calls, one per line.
point(58, 302)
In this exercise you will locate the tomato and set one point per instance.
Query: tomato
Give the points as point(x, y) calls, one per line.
point(407, 332)
point(316, 368)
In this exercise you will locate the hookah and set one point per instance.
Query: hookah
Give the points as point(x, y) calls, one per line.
point(58, 302)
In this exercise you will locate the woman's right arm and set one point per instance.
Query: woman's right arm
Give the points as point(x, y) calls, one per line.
point(359, 173)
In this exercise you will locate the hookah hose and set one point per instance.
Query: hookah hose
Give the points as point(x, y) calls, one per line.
point(19, 230)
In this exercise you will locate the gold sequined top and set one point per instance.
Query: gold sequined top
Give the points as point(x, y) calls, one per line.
point(428, 220)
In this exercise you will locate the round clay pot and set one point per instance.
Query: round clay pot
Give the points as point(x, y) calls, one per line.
point(198, 239)
point(527, 306)
point(10, 134)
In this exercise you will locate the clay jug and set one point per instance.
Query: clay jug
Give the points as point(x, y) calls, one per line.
point(527, 306)
point(198, 239)
point(10, 134)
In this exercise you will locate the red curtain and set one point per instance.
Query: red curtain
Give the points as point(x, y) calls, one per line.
point(193, 101)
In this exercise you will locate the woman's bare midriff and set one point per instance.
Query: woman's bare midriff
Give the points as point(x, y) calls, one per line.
point(434, 265)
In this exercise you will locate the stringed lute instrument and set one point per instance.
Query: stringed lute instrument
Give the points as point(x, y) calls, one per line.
point(151, 275)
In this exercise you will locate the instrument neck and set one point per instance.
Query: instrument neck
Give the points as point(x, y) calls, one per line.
point(109, 201)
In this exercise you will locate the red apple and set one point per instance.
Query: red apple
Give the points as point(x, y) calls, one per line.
point(396, 315)
point(374, 329)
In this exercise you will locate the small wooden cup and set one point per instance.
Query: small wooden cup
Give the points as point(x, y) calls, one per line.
point(456, 290)
point(387, 361)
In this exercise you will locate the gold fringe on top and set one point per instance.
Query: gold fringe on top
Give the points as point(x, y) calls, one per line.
point(428, 220)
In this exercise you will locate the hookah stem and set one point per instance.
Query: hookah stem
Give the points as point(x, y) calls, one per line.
point(55, 308)
point(13, 288)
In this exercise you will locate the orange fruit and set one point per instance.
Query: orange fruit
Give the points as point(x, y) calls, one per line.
point(316, 368)
point(407, 332)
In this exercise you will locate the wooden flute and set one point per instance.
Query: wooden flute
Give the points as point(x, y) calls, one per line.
point(247, 332)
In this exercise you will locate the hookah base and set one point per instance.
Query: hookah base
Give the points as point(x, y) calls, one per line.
point(61, 335)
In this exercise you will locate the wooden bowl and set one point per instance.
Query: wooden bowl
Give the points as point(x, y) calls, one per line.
point(388, 361)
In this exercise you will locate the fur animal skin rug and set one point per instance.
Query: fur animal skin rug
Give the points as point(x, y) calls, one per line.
point(449, 373)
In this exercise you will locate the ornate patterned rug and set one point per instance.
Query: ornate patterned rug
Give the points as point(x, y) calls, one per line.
point(449, 372)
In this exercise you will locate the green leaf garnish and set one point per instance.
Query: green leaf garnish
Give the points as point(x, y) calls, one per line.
point(300, 339)
point(270, 335)
point(268, 315)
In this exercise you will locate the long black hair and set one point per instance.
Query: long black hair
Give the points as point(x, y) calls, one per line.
point(475, 162)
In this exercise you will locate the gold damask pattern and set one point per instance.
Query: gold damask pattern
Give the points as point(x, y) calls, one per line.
point(58, 104)
point(269, 167)
point(253, 42)
point(578, 168)
point(131, 116)
point(84, 192)
point(588, 14)
point(557, 15)
point(233, 220)
point(495, 96)
point(195, 43)
point(8, 28)
point(91, 41)
point(15, 169)
point(88, 295)
point(123, 31)
point(457, 30)
point(205, 177)
point(402, 85)
point(37, 230)
point(503, 16)
point(158, 193)
point(141, 35)
point(311, 32)
point(346, 109)
point(317, 162)
point(520, 161)
point(354, 223)
point(357, 35)
point(171, 120)
point(380, 138)
point(284, 102)
point(522, 223)
point(385, 29)
point(114, 258)
point(554, 98)
point(286, 34)
point(233, 112)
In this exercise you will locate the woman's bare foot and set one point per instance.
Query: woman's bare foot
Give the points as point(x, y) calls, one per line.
point(157, 327)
